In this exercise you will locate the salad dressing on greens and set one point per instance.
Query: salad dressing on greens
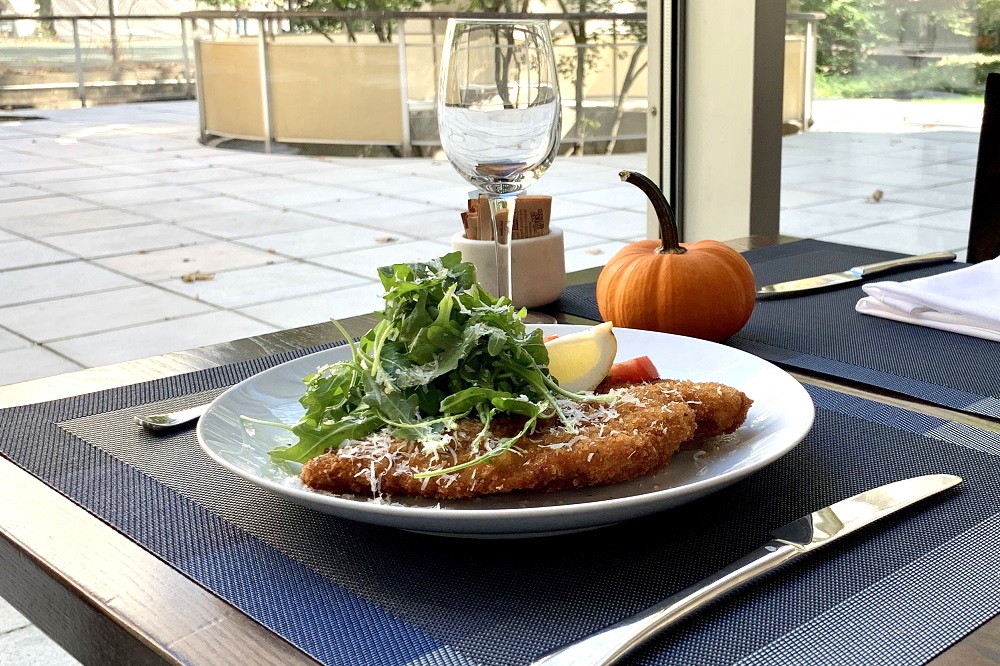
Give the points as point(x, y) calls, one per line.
point(444, 349)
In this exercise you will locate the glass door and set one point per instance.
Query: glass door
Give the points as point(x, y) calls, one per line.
point(882, 109)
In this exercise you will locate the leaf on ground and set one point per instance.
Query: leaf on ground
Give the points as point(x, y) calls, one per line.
point(197, 276)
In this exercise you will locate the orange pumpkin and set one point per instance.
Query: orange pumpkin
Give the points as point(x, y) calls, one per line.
point(703, 290)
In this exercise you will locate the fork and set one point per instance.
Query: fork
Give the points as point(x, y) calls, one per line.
point(170, 420)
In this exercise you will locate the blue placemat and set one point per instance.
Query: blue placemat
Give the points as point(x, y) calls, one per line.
point(351, 594)
point(823, 333)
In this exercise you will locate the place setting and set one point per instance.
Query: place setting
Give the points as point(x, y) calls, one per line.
point(228, 506)
point(226, 529)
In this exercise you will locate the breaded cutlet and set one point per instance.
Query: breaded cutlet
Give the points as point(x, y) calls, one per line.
point(635, 436)
point(719, 409)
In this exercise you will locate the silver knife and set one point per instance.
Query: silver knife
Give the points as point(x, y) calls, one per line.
point(858, 273)
point(793, 540)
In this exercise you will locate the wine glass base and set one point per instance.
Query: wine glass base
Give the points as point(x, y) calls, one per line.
point(533, 317)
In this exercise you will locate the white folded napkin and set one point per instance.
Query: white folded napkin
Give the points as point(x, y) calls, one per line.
point(965, 301)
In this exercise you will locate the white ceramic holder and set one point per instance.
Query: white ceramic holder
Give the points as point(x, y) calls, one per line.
point(539, 266)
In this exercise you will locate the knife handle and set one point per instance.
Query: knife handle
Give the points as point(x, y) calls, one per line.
point(611, 644)
point(894, 264)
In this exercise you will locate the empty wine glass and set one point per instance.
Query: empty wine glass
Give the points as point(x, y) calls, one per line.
point(499, 115)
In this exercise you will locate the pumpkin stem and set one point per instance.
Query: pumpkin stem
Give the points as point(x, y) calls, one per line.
point(664, 211)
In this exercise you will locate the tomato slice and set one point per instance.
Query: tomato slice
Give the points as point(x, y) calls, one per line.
point(634, 371)
point(549, 338)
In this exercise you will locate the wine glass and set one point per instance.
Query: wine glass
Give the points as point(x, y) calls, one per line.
point(499, 115)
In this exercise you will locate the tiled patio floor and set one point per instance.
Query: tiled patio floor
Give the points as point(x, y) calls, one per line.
point(103, 210)
point(921, 158)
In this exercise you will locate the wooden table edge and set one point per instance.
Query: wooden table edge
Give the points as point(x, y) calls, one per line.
point(102, 596)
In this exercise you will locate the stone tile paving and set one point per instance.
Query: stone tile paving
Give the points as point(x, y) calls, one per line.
point(109, 206)
point(104, 210)
point(23, 644)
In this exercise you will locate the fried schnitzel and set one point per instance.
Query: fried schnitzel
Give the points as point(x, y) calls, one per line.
point(635, 436)
point(718, 409)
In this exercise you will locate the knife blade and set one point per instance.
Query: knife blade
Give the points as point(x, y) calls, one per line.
point(789, 542)
point(855, 274)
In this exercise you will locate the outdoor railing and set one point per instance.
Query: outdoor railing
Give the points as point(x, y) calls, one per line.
point(13, 58)
point(616, 45)
point(594, 112)
point(89, 86)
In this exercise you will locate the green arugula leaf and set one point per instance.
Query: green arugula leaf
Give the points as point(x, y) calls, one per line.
point(443, 349)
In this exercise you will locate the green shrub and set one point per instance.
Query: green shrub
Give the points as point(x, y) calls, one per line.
point(955, 75)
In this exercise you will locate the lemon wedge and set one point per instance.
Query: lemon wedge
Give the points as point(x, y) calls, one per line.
point(580, 361)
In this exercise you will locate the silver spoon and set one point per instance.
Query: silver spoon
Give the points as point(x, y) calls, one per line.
point(170, 420)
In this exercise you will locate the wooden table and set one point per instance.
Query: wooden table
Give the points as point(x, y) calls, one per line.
point(105, 599)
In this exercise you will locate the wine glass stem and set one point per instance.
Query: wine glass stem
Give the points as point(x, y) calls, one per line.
point(502, 218)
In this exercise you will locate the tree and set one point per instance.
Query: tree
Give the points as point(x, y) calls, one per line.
point(500, 6)
point(576, 67)
point(382, 29)
point(637, 64)
point(988, 26)
point(847, 35)
point(981, 20)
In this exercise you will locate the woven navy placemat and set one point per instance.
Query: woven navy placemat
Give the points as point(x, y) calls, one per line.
point(349, 593)
point(823, 333)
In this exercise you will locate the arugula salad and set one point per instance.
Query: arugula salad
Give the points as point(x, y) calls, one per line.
point(443, 349)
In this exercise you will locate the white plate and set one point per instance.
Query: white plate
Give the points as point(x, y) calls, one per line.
point(781, 415)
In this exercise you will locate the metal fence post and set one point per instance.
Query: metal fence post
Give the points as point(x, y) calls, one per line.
point(202, 121)
point(79, 62)
point(809, 80)
point(187, 57)
point(404, 91)
point(263, 28)
point(116, 49)
point(614, 62)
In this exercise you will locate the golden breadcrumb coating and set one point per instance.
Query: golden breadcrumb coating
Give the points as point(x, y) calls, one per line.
point(719, 409)
point(635, 436)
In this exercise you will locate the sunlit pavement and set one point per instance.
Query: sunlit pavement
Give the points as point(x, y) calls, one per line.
point(107, 215)
point(105, 211)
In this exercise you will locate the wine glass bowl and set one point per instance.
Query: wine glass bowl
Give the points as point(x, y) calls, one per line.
point(499, 113)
